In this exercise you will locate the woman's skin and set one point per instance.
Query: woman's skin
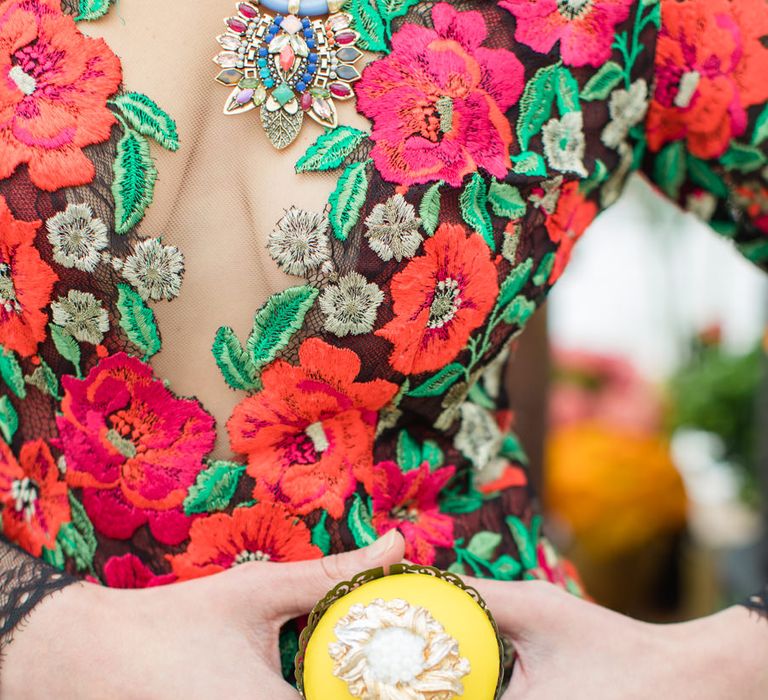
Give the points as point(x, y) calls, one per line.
point(218, 638)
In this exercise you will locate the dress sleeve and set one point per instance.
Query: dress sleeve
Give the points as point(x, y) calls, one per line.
point(706, 130)
point(24, 582)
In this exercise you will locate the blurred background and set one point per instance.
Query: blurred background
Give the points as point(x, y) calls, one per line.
point(643, 424)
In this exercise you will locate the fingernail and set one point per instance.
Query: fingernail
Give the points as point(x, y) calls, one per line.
point(381, 546)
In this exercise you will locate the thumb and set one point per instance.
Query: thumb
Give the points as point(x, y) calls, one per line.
point(300, 585)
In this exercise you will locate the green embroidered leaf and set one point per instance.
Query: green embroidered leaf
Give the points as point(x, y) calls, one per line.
point(519, 311)
point(458, 568)
point(484, 544)
point(431, 453)
point(506, 200)
point(544, 270)
point(515, 281)
point(439, 383)
point(756, 251)
point(408, 452)
point(478, 395)
point(525, 539)
point(44, 379)
point(745, 159)
point(536, 103)
point(512, 449)
point(233, 361)
point(138, 320)
point(10, 371)
point(474, 209)
point(655, 15)
point(66, 345)
point(394, 8)
point(368, 22)
point(9, 419)
point(669, 169)
point(602, 83)
point(330, 150)
point(567, 91)
point(147, 118)
point(277, 321)
point(761, 128)
point(596, 178)
point(702, 174)
point(77, 538)
point(347, 199)
point(54, 557)
point(506, 568)
point(529, 163)
point(214, 488)
point(429, 211)
point(134, 183)
point(359, 523)
point(320, 537)
point(459, 504)
point(92, 9)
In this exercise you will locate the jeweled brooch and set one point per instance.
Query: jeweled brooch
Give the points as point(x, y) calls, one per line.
point(287, 66)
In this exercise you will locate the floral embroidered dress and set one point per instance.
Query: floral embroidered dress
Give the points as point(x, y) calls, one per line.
point(366, 394)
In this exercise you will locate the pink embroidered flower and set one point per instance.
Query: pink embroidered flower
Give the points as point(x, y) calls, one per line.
point(309, 432)
point(54, 85)
point(438, 101)
point(35, 502)
point(133, 447)
point(407, 501)
point(584, 28)
point(129, 571)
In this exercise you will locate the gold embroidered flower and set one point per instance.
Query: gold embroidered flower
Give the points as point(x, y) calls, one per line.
point(81, 315)
point(350, 306)
point(77, 237)
point(299, 244)
point(627, 108)
point(564, 143)
point(393, 229)
point(391, 650)
point(479, 438)
point(155, 270)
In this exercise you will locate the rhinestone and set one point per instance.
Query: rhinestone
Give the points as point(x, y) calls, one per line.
point(248, 11)
point(229, 42)
point(340, 90)
point(347, 73)
point(348, 54)
point(292, 24)
point(237, 25)
point(283, 94)
point(229, 77)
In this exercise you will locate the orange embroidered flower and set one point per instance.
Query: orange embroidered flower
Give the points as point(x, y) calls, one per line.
point(439, 299)
point(54, 84)
point(35, 502)
point(573, 215)
point(26, 283)
point(710, 67)
point(264, 532)
point(309, 432)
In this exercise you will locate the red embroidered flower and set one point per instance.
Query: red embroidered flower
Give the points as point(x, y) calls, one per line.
point(573, 215)
point(35, 503)
point(129, 571)
point(584, 28)
point(438, 101)
point(710, 67)
point(133, 447)
point(264, 532)
point(26, 283)
point(309, 432)
point(407, 501)
point(439, 299)
point(54, 84)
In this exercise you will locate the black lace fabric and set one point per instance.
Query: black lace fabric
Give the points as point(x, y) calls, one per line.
point(24, 582)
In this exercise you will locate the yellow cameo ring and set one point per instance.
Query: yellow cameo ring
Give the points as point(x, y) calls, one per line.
point(417, 633)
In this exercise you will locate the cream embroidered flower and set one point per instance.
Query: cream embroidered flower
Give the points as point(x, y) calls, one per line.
point(81, 315)
point(299, 244)
point(350, 306)
point(391, 650)
point(479, 438)
point(627, 109)
point(393, 229)
point(155, 270)
point(77, 237)
point(564, 143)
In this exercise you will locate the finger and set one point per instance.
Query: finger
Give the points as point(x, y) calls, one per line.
point(299, 585)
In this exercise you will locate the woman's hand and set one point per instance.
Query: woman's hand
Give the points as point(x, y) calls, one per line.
point(570, 648)
point(215, 637)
